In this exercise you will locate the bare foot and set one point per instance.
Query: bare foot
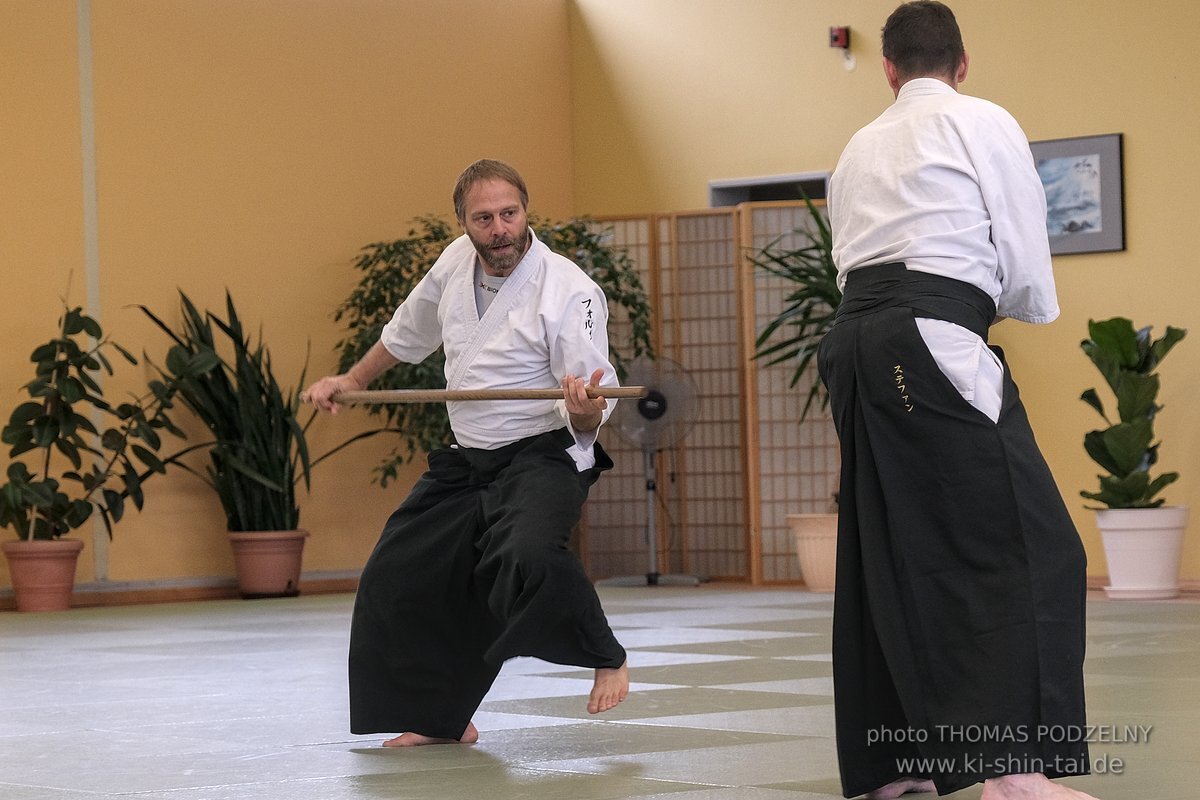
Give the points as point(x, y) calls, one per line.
point(1028, 786)
point(610, 688)
point(901, 786)
point(410, 739)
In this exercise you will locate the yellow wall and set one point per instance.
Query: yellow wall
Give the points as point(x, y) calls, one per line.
point(256, 146)
point(670, 94)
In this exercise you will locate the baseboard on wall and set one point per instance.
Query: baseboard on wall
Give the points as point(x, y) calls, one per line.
point(118, 593)
point(1189, 588)
point(124, 593)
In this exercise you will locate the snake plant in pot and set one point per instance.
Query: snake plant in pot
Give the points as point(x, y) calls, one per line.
point(1142, 536)
point(75, 453)
point(258, 454)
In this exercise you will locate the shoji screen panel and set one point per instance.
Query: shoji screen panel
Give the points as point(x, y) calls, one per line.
point(700, 330)
point(690, 266)
point(613, 541)
point(725, 490)
point(795, 462)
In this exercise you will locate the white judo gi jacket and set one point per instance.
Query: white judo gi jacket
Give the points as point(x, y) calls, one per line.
point(548, 320)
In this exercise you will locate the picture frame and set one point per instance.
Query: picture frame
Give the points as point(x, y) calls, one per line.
point(1084, 180)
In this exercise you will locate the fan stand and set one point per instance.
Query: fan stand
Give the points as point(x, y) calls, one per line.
point(653, 577)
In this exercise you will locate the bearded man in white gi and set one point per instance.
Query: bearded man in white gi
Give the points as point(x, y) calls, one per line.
point(958, 631)
point(474, 568)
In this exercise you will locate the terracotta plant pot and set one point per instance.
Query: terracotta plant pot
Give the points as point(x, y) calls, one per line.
point(43, 572)
point(816, 549)
point(268, 562)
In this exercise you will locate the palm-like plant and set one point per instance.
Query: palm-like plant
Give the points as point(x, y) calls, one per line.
point(1127, 359)
point(793, 335)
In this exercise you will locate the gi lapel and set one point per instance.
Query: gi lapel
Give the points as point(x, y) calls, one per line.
point(496, 315)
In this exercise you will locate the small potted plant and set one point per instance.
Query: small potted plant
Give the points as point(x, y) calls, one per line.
point(258, 453)
point(792, 337)
point(75, 454)
point(1142, 537)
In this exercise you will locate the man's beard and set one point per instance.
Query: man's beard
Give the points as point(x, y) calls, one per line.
point(502, 261)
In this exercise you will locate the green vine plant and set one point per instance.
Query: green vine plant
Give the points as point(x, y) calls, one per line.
point(104, 469)
point(1126, 449)
point(390, 270)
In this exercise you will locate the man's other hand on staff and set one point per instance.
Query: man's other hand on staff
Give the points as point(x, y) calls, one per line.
point(586, 412)
point(321, 393)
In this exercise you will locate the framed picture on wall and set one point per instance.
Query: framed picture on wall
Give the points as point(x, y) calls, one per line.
point(1085, 198)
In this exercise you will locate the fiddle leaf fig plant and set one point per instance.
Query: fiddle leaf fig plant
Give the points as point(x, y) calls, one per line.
point(1126, 449)
point(390, 270)
point(74, 452)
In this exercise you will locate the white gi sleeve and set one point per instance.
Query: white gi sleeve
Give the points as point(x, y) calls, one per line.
point(415, 329)
point(1016, 203)
point(580, 347)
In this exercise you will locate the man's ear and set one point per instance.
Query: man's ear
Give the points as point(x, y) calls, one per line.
point(892, 75)
point(960, 74)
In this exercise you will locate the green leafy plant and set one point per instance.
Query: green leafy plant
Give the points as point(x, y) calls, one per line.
point(259, 451)
point(793, 335)
point(62, 421)
point(390, 270)
point(1127, 358)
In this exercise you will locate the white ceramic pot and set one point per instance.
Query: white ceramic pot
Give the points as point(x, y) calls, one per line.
point(1143, 546)
point(816, 548)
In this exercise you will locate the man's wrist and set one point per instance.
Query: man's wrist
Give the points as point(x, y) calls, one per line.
point(586, 424)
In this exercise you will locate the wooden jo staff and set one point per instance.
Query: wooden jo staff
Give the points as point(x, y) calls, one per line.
point(445, 395)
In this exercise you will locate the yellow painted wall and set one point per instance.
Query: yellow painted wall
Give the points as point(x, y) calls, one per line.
point(670, 94)
point(256, 146)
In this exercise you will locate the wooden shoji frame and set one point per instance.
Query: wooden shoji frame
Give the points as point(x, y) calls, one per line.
point(725, 489)
point(612, 541)
point(792, 465)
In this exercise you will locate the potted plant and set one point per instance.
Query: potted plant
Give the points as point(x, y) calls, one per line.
point(792, 337)
point(391, 269)
point(1142, 537)
point(71, 468)
point(259, 451)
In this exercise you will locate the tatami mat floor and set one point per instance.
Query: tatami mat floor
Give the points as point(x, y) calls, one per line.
point(731, 701)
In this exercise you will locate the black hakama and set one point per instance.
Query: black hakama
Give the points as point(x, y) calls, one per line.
point(471, 570)
point(958, 634)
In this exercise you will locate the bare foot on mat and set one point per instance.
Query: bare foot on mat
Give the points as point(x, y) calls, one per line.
point(410, 739)
point(610, 688)
point(901, 787)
